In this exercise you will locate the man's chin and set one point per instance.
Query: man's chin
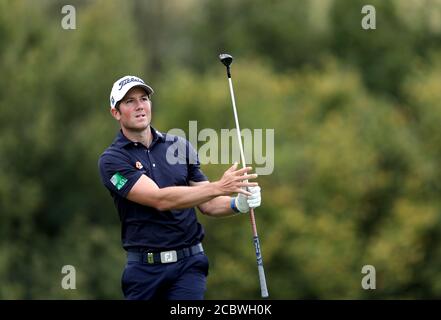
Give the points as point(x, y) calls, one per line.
point(138, 127)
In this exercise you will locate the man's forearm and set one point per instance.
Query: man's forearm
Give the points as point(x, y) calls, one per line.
point(185, 197)
point(217, 207)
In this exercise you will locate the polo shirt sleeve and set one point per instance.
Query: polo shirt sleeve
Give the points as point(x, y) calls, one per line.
point(117, 173)
point(195, 173)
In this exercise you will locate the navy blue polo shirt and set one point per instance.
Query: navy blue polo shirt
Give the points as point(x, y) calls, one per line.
point(124, 162)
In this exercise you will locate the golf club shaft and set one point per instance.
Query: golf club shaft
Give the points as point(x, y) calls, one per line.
point(262, 279)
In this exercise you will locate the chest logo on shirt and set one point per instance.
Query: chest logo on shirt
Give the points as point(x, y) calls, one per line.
point(138, 165)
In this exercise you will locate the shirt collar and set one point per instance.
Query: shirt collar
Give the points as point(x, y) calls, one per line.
point(121, 140)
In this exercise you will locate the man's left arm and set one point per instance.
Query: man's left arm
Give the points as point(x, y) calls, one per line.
point(224, 206)
point(221, 206)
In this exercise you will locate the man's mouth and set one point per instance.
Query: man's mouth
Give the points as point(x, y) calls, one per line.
point(142, 115)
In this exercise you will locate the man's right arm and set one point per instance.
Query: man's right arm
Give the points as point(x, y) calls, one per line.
point(146, 192)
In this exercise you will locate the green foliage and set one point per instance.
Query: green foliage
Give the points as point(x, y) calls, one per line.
point(54, 101)
point(357, 150)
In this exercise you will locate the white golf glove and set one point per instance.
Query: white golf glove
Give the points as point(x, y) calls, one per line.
point(244, 203)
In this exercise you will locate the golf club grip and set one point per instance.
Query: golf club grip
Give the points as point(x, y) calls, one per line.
point(262, 278)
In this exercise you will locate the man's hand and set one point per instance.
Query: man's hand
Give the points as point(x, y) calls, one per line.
point(235, 181)
point(244, 203)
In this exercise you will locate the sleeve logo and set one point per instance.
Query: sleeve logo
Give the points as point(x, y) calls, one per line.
point(118, 180)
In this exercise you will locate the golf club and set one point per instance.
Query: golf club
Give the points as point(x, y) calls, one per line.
point(227, 59)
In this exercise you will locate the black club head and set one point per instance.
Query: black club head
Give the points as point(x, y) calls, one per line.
point(226, 59)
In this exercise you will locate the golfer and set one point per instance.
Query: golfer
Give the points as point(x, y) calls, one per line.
point(156, 187)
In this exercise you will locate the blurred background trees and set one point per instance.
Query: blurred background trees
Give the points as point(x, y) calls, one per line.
point(356, 116)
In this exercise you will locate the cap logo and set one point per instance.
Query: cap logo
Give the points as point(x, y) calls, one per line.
point(126, 81)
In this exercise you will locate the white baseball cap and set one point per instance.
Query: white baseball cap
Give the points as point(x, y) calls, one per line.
point(124, 84)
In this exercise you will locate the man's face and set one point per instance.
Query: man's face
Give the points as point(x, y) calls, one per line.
point(134, 110)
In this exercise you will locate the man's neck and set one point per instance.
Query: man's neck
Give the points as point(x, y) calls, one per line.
point(145, 136)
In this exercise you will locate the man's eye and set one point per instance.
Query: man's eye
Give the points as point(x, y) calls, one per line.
point(145, 99)
point(129, 101)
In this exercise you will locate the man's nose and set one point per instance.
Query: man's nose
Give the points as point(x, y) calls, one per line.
point(138, 105)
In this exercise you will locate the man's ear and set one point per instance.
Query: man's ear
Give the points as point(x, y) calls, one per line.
point(115, 113)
